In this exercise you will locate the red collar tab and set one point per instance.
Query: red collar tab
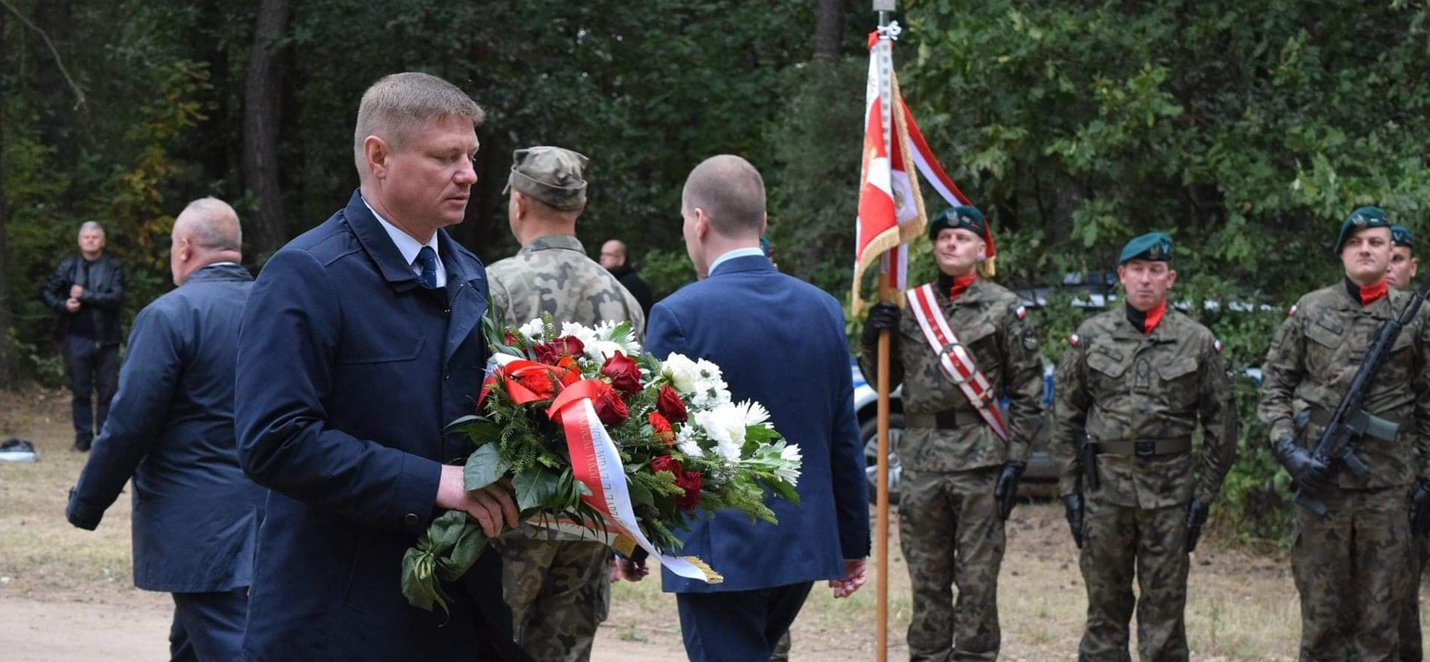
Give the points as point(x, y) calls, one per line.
point(961, 284)
point(1146, 322)
point(1369, 294)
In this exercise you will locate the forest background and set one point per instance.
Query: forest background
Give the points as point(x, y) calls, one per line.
point(1246, 128)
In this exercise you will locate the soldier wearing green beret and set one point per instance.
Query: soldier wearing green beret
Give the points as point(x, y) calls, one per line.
point(1401, 276)
point(960, 472)
point(556, 584)
point(1350, 567)
point(1132, 388)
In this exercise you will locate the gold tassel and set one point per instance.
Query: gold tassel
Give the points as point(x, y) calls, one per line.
point(987, 269)
point(711, 577)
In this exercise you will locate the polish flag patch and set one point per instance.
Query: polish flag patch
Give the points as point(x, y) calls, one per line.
point(1074, 340)
point(1216, 344)
point(1291, 311)
point(1022, 312)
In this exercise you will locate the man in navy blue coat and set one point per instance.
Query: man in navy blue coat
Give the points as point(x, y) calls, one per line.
point(171, 427)
point(361, 342)
point(778, 341)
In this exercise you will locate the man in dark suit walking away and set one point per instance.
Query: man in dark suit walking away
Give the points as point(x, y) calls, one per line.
point(171, 428)
point(779, 341)
point(361, 342)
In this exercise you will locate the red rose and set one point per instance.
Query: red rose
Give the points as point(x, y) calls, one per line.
point(661, 427)
point(610, 408)
point(669, 404)
point(690, 482)
point(667, 463)
point(624, 373)
point(551, 353)
point(685, 480)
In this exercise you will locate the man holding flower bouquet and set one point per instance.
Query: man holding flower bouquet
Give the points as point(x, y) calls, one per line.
point(361, 341)
point(555, 583)
point(780, 342)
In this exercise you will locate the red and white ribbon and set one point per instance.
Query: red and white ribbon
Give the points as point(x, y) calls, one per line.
point(596, 463)
point(953, 357)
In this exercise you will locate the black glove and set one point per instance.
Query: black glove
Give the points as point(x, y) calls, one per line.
point(1196, 517)
point(1311, 474)
point(1073, 504)
point(1420, 509)
point(883, 316)
point(1007, 489)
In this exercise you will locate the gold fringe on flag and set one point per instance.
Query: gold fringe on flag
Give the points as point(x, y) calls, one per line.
point(711, 577)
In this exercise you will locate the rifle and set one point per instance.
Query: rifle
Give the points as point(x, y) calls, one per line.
point(1350, 419)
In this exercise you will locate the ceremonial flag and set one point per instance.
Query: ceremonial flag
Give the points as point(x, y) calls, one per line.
point(890, 208)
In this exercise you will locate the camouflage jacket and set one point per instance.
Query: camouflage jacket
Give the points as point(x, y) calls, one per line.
point(1120, 385)
point(1312, 361)
point(552, 274)
point(989, 321)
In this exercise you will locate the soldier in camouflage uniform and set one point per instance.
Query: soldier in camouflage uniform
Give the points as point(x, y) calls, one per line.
point(556, 584)
point(1401, 276)
point(959, 477)
point(1136, 380)
point(1350, 567)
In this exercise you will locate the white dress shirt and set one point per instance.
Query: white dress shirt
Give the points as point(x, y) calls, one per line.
point(410, 248)
point(738, 252)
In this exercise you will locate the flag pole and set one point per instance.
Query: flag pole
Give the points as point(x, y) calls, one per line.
point(886, 293)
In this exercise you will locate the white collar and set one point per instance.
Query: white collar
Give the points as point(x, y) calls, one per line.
point(409, 248)
point(730, 255)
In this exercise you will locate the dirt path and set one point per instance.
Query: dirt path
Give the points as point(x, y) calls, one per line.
point(65, 594)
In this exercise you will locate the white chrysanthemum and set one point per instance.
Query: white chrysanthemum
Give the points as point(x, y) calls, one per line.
point(753, 412)
point(681, 372)
point(726, 425)
point(789, 473)
point(533, 330)
point(709, 370)
point(710, 393)
point(582, 333)
point(600, 350)
point(685, 441)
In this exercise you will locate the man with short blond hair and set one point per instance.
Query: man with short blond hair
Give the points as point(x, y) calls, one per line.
point(195, 513)
point(361, 342)
point(86, 292)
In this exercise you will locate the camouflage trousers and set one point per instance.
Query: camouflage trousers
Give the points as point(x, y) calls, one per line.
point(1350, 570)
point(1122, 543)
point(559, 592)
point(781, 651)
point(1411, 640)
point(936, 509)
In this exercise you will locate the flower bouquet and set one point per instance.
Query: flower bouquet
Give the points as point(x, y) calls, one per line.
point(601, 439)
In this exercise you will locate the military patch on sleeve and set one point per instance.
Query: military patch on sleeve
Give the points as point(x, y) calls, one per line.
point(1291, 311)
point(1022, 312)
point(1216, 344)
point(1074, 340)
point(1030, 341)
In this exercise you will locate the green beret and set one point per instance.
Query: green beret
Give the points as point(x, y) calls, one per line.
point(1360, 219)
point(1154, 246)
point(961, 217)
point(1401, 236)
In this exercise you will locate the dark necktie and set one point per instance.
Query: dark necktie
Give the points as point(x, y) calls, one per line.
point(427, 259)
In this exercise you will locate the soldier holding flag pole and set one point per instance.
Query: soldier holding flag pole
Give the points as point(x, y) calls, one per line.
point(959, 347)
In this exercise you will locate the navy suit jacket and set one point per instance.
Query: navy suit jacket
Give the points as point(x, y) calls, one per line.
point(348, 373)
point(170, 426)
point(778, 341)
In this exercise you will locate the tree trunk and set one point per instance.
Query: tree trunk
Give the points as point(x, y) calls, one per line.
point(828, 29)
point(262, 110)
point(56, 19)
point(7, 358)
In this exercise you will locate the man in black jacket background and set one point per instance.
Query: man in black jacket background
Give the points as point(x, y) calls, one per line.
point(86, 290)
point(613, 258)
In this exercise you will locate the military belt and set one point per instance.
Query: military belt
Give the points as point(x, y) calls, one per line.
point(1144, 447)
point(944, 420)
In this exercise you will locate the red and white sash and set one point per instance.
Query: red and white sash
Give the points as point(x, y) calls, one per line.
point(953, 357)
